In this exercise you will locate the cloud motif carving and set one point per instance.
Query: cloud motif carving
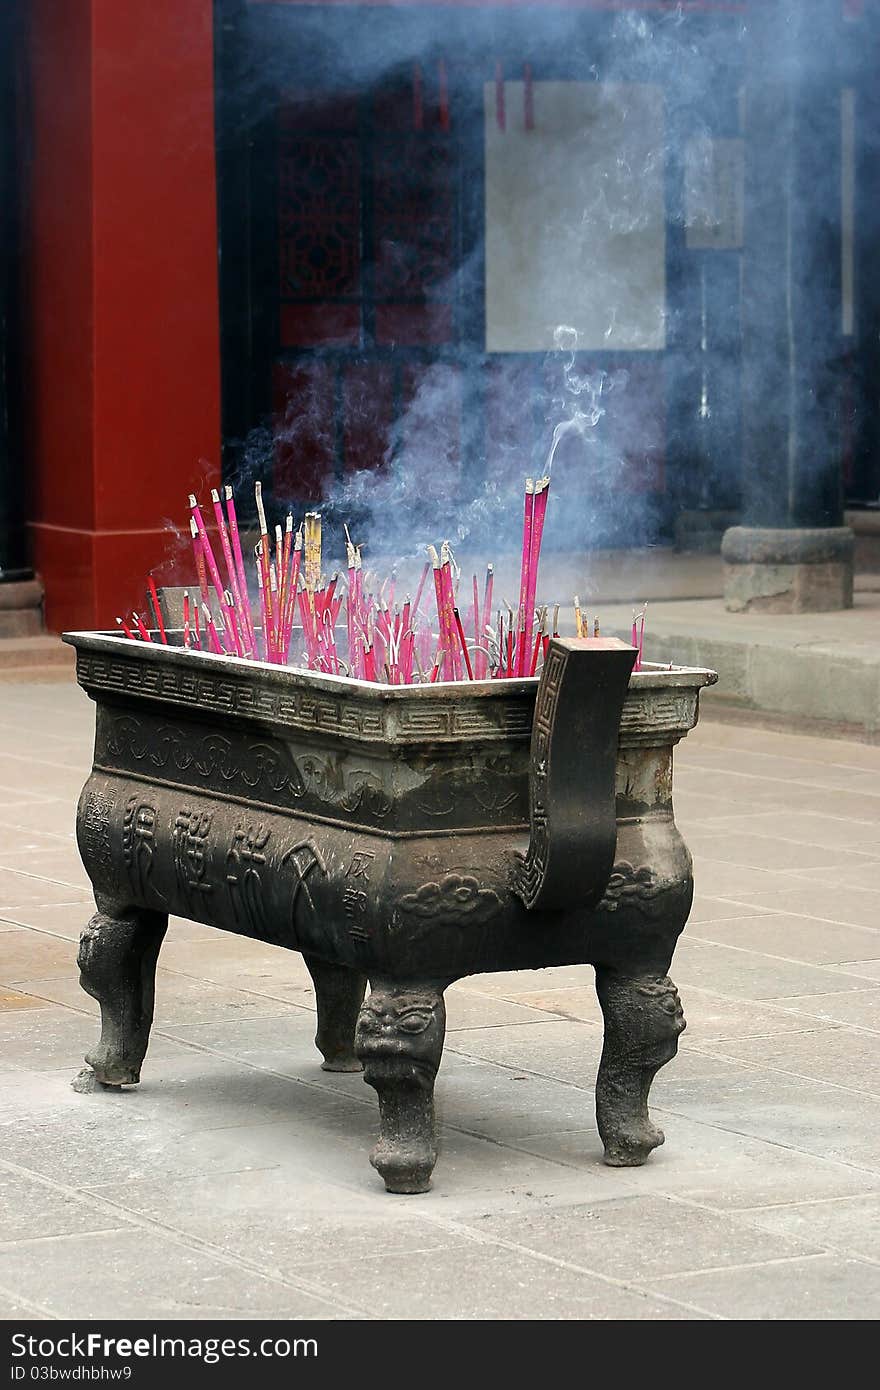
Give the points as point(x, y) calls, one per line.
point(457, 900)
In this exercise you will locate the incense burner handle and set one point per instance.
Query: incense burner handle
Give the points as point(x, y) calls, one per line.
point(572, 779)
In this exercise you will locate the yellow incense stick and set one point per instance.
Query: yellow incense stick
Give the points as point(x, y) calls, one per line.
point(312, 551)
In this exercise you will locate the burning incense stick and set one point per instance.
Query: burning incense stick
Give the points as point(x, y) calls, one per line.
point(145, 636)
point(526, 601)
point(542, 490)
point(126, 629)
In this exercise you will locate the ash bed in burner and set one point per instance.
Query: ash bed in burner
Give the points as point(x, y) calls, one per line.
point(408, 836)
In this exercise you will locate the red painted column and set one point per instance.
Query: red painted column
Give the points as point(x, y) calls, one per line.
point(122, 286)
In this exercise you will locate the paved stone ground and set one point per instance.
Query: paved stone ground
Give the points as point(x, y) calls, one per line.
point(234, 1182)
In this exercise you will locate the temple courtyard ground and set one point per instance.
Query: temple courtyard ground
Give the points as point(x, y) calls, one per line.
point(234, 1182)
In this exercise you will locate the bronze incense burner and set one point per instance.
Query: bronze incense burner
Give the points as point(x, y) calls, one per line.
point(405, 836)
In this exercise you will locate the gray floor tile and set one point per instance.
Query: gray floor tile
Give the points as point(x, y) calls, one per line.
point(847, 1225)
point(484, 1281)
point(799, 938)
point(796, 1113)
point(641, 1237)
point(743, 974)
point(708, 1014)
point(714, 1167)
point(31, 1210)
point(861, 1008)
point(764, 852)
point(145, 1276)
point(855, 907)
point(821, 1289)
point(18, 890)
point(283, 1228)
point(29, 954)
point(833, 1054)
point(179, 999)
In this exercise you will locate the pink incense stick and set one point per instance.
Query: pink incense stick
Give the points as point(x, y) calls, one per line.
point(207, 549)
point(291, 595)
point(476, 615)
point(264, 623)
point(199, 554)
point(237, 641)
point(186, 619)
point(240, 569)
point(448, 609)
point(234, 590)
point(525, 571)
point(263, 556)
point(438, 595)
point(542, 489)
point(213, 639)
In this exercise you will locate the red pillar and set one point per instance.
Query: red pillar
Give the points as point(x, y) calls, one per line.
point(124, 364)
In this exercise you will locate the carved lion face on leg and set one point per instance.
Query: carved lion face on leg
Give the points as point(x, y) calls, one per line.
point(401, 1026)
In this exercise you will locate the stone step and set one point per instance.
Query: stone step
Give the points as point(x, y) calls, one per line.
point(36, 658)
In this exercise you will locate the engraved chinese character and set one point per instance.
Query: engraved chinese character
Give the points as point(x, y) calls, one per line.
point(192, 853)
point(354, 904)
point(243, 863)
point(361, 864)
point(138, 843)
point(303, 859)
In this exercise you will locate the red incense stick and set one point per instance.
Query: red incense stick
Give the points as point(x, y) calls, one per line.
point(126, 629)
point(156, 609)
point(463, 642)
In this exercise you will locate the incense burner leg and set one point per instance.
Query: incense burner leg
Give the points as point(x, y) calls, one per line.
point(339, 993)
point(117, 961)
point(643, 1020)
point(400, 1041)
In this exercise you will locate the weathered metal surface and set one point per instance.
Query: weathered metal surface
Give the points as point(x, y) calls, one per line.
point(387, 833)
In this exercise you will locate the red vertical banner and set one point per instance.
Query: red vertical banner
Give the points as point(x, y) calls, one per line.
point(124, 323)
